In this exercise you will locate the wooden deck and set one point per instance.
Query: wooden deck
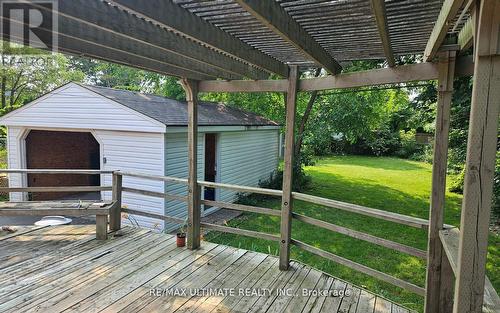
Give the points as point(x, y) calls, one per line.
point(55, 269)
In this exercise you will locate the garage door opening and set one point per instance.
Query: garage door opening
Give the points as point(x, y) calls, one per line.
point(62, 150)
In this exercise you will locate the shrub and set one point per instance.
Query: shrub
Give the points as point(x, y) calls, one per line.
point(300, 179)
point(425, 155)
point(382, 142)
point(409, 147)
point(496, 189)
point(457, 182)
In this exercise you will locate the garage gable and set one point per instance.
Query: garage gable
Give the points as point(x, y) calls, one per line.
point(73, 106)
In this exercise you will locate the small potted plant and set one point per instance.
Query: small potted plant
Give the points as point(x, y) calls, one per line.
point(181, 235)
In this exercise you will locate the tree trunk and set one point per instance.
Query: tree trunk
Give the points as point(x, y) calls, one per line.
point(3, 82)
point(305, 118)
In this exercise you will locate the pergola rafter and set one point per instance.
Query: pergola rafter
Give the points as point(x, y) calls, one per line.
point(378, 7)
point(152, 39)
point(466, 34)
point(118, 54)
point(172, 16)
point(274, 17)
point(443, 24)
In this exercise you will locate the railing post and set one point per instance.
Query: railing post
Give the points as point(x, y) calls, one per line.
point(286, 201)
point(115, 216)
point(194, 208)
point(446, 288)
point(480, 162)
point(446, 71)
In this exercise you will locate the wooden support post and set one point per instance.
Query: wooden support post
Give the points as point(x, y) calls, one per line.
point(101, 225)
point(115, 214)
point(286, 202)
point(447, 283)
point(480, 163)
point(194, 208)
point(446, 70)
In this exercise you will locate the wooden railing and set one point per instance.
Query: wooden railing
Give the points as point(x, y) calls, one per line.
point(448, 236)
point(384, 215)
point(55, 188)
point(450, 241)
point(37, 208)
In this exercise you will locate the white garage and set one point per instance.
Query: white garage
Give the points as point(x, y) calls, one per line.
point(87, 127)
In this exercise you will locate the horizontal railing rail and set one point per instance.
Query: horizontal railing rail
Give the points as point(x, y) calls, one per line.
point(54, 171)
point(56, 189)
point(245, 189)
point(241, 207)
point(181, 181)
point(360, 268)
point(240, 231)
point(105, 212)
point(380, 214)
point(162, 217)
point(156, 194)
point(361, 236)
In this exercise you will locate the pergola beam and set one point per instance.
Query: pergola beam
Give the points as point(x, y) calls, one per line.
point(77, 19)
point(395, 75)
point(448, 12)
point(72, 31)
point(117, 21)
point(78, 47)
point(84, 32)
point(178, 19)
point(274, 17)
point(378, 8)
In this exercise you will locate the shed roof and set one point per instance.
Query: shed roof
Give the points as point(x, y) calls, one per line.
point(174, 113)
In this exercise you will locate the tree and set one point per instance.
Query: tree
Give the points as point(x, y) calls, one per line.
point(24, 78)
point(112, 75)
point(305, 119)
point(355, 116)
point(105, 74)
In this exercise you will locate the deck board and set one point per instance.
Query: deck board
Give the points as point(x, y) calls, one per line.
point(18, 230)
point(65, 253)
point(65, 269)
point(350, 304)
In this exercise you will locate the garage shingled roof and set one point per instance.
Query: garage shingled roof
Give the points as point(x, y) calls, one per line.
point(174, 113)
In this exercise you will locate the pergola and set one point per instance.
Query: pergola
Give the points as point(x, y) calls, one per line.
point(236, 45)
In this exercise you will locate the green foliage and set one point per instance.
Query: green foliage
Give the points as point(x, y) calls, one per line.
point(363, 122)
point(382, 141)
point(409, 148)
point(457, 182)
point(24, 78)
point(169, 87)
point(496, 189)
point(3, 158)
point(299, 183)
point(459, 123)
point(270, 105)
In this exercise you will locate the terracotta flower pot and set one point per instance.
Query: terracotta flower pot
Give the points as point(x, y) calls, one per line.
point(181, 239)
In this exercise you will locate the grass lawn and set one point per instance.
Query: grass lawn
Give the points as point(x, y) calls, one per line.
point(389, 184)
